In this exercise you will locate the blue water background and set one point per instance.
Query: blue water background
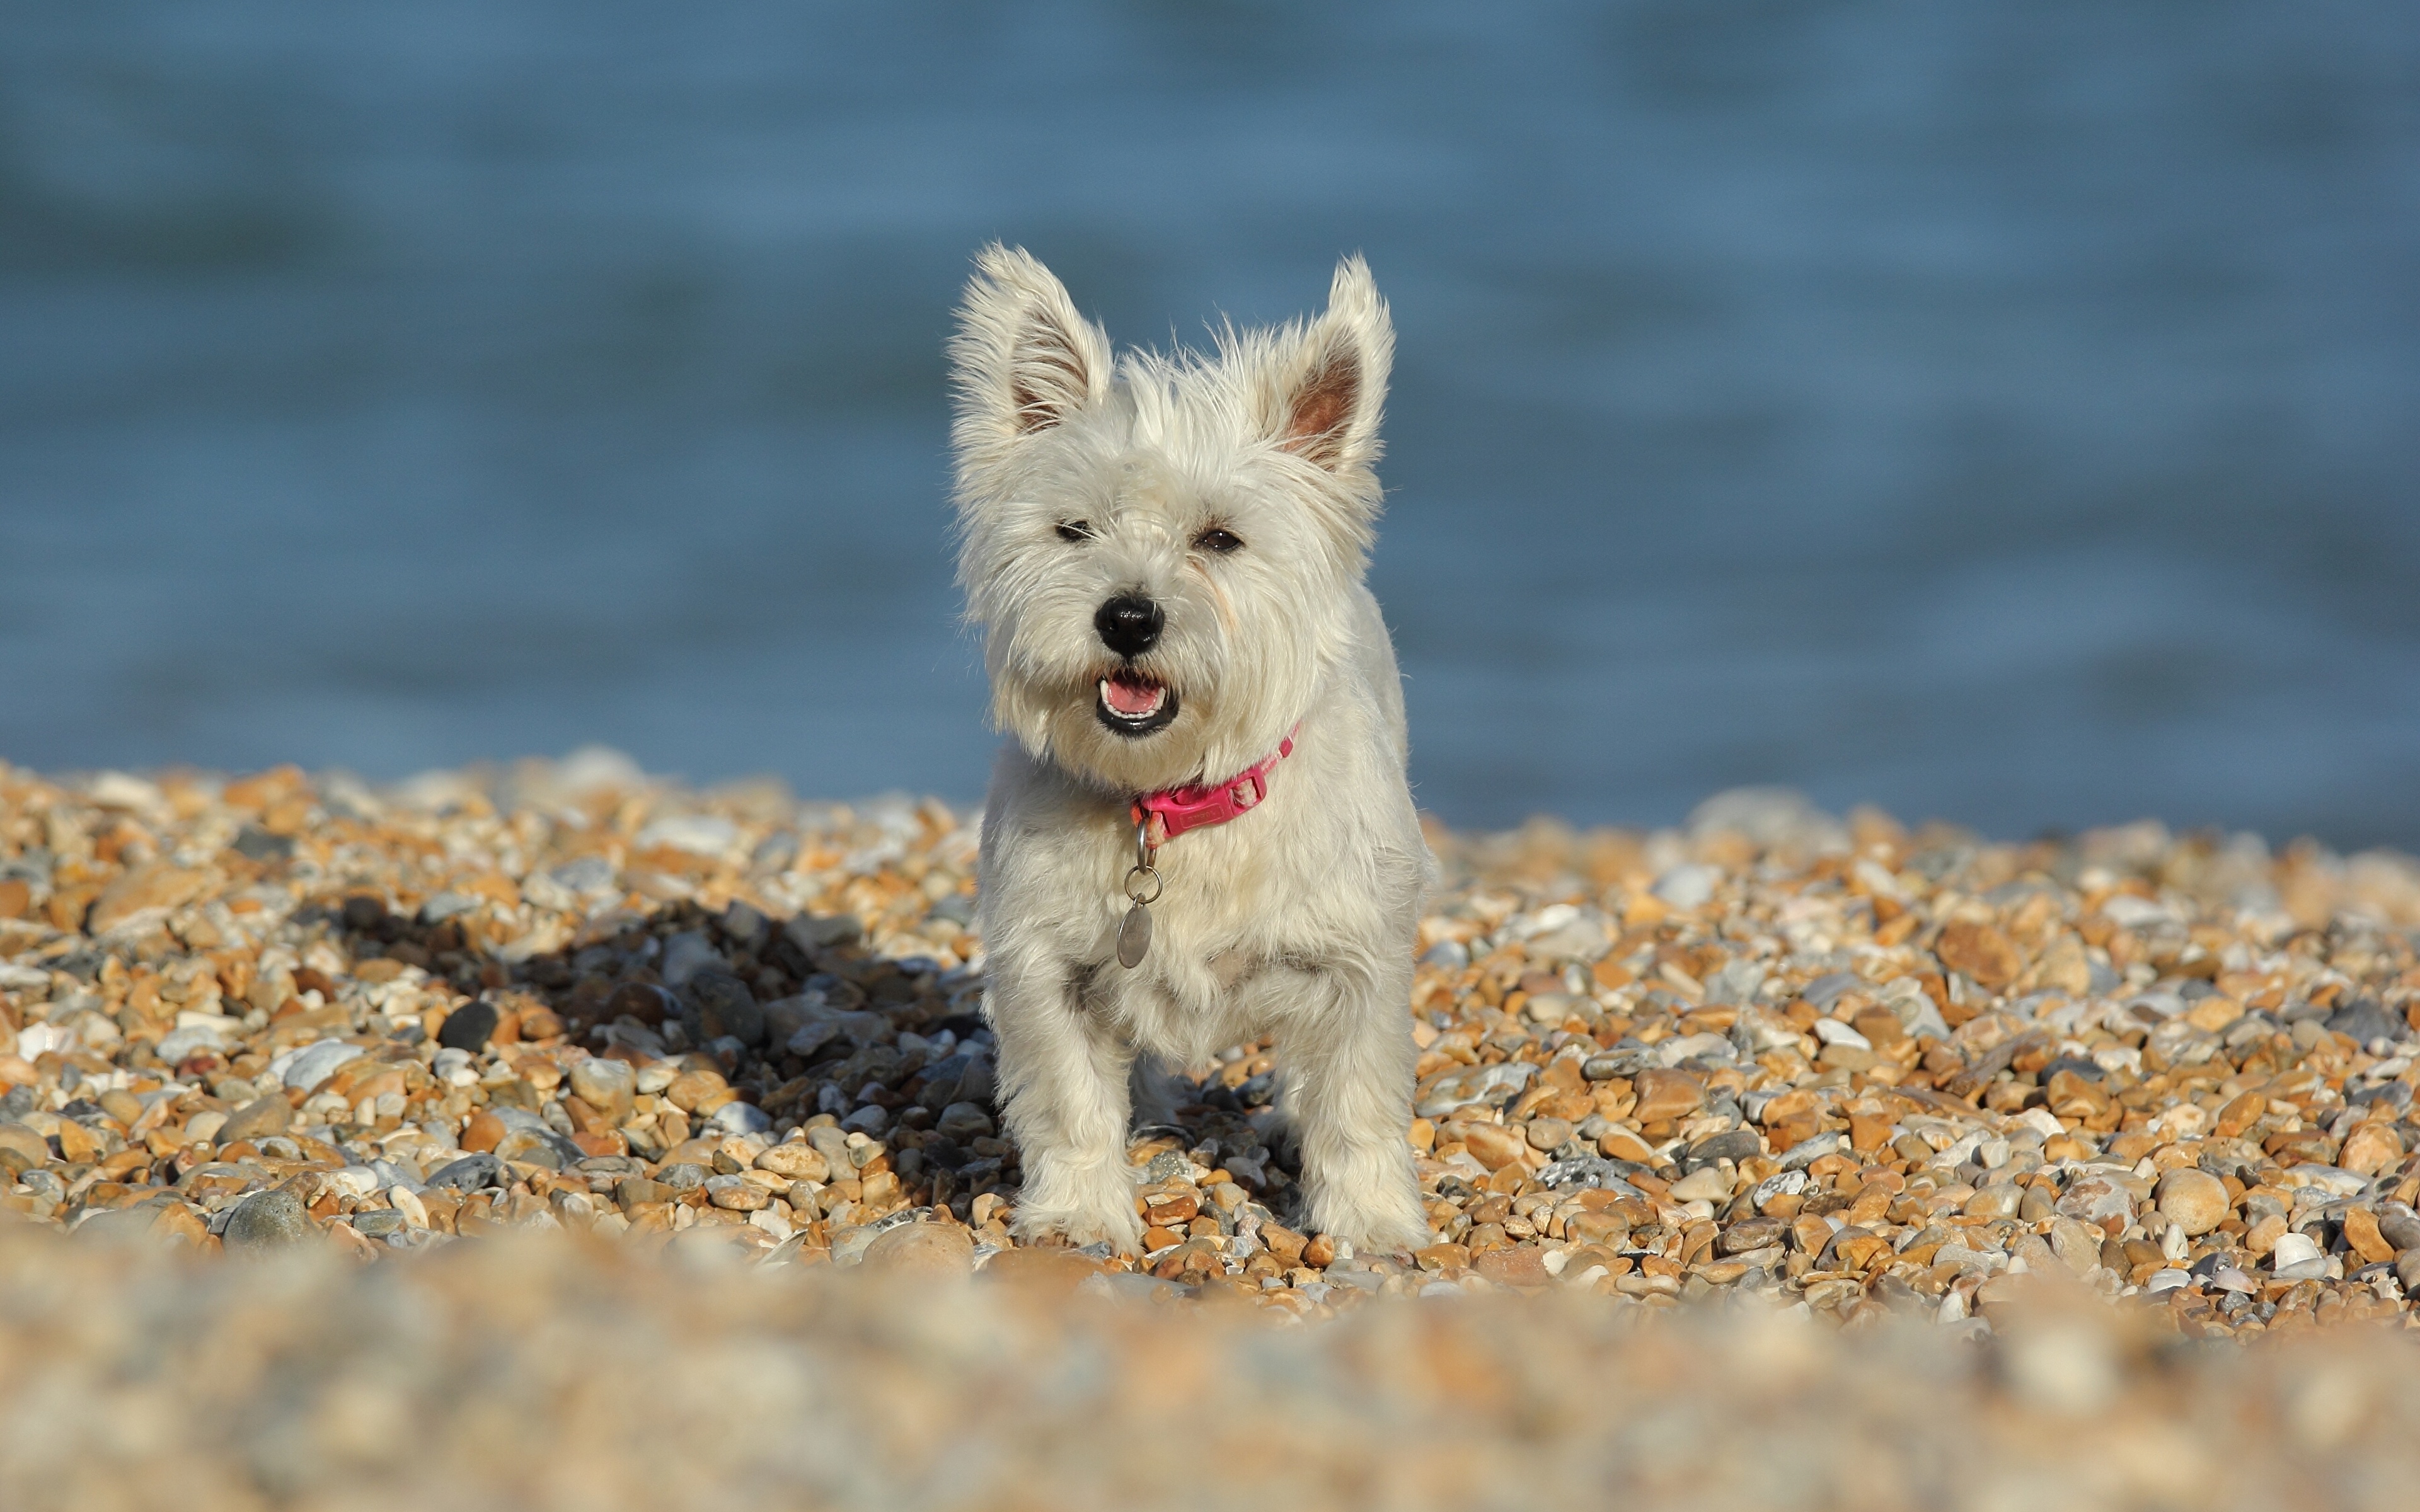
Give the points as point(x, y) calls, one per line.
point(2004, 412)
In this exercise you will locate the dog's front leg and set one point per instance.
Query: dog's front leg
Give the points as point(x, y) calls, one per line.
point(1063, 1072)
point(1348, 1084)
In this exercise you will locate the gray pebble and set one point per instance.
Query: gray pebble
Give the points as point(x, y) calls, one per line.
point(265, 1220)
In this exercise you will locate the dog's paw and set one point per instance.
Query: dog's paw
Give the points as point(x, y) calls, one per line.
point(1382, 1226)
point(1079, 1227)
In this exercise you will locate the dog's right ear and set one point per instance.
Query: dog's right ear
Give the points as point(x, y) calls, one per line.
point(1023, 359)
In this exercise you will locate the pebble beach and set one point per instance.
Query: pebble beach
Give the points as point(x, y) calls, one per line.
point(556, 1134)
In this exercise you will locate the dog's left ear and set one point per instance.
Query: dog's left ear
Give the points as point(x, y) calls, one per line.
point(1331, 385)
point(1024, 361)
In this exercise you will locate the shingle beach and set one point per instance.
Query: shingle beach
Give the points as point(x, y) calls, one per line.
point(553, 1135)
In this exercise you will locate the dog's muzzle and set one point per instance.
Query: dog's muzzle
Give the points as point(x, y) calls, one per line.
point(1129, 704)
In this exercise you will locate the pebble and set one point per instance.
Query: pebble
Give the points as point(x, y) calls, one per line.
point(1998, 1200)
point(1453, 1090)
point(1922, 1056)
point(257, 1119)
point(2196, 1200)
point(2293, 1250)
point(923, 1249)
point(718, 1005)
point(266, 1220)
point(608, 1086)
point(469, 1027)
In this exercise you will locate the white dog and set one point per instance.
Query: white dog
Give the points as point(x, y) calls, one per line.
point(1199, 831)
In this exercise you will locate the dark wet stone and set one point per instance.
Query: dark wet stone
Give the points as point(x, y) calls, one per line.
point(469, 1174)
point(942, 1080)
point(468, 1026)
point(364, 914)
point(715, 1005)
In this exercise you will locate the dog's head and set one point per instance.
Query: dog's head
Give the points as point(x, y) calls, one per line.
point(1161, 552)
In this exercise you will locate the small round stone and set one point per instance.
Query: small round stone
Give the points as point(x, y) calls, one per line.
point(2193, 1199)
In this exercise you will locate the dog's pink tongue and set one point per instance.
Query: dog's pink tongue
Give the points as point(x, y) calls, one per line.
point(1132, 698)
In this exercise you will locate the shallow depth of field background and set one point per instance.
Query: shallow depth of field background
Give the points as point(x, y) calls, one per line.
point(2010, 415)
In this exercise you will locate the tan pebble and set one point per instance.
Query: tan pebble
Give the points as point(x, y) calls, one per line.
point(1667, 1094)
point(1283, 1243)
point(2065, 966)
point(2371, 1149)
point(156, 885)
point(737, 1194)
point(1442, 1258)
point(1980, 950)
point(2361, 1232)
point(483, 1134)
point(938, 1250)
point(1548, 1133)
point(1320, 1253)
point(257, 1121)
point(1868, 1133)
point(1621, 1144)
point(2238, 1115)
point(606, 1085)
point(691, 1088)
point(1518, 1265)
point(1705, 1184)
point(1044, 1270)
point(2001, 1199)
point(2096, 1200)
point(2076, 1244)
point(1493, 1145)
point(1171, 1206)
point(798, 1160)
point(25, 1142)
point(1882, 1029)
point(2194, 1200)
point(2262, 1237)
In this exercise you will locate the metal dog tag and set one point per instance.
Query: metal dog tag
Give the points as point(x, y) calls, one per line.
point(1143, 888)
point(1134, 937)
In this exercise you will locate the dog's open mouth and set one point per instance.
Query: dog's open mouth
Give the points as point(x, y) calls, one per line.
point(1131, 703)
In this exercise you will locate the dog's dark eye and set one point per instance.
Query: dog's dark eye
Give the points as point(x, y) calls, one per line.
point(1075, 530)
point(1219, 541)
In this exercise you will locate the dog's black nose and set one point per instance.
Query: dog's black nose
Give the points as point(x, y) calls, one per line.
point(1129, 625)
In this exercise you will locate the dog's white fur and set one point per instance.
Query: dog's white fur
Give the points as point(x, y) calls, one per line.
point(1297, 918)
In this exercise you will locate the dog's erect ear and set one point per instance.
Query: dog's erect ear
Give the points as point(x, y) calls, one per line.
point(1331, 386)
point(1024, 359)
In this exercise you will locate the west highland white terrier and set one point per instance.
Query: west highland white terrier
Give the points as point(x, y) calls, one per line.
point(1200, 831)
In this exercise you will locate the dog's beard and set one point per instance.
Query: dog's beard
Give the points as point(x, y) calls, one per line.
point(1126, 727)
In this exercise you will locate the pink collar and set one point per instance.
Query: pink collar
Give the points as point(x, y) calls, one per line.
point(1171, 811)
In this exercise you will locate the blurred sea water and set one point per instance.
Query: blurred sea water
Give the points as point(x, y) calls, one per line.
point(2007, 413)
